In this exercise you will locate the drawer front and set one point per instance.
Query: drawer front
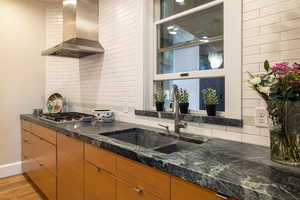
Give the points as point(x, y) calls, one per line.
point(44, 133)
point(100, 158)
point(30, 145)
point(150, 180)
point(99, 184)
point(181, 189)
point(126, 191)
point(47, 155)
point(26, 125)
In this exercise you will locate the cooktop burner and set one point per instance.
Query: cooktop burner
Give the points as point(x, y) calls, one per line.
point(67, 117)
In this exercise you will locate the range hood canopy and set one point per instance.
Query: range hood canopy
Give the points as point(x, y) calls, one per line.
point(80, 30)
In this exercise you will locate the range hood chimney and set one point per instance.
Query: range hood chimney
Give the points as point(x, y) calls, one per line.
point(80, 30)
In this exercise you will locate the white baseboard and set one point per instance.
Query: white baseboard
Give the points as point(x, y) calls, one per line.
point(10, 169)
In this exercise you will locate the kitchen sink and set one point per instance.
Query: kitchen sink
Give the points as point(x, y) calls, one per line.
point(152, 140)
point(176, 147)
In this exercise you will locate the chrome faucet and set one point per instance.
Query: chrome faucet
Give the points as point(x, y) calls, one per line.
point(175, 100)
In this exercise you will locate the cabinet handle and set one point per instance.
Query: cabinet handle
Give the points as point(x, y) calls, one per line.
point(138, 190)
point(221, 196)
point(98, 169)
point(26, 141)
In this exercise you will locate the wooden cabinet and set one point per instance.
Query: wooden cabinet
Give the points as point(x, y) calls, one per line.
point(101, 158)
point(181, 189)
point(126, 191)
point(39, 160)
point(65, 168)
point(150, 180)
point(99, 184)
point(70, 168)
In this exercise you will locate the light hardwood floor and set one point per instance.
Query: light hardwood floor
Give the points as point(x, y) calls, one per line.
point(18, 188)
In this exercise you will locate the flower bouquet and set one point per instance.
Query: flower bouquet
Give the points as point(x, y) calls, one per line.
point(279, 86)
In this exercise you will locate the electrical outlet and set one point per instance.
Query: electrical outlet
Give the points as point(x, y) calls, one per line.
point(125, 108)
point(261, 117)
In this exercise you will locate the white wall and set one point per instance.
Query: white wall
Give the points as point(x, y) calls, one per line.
point(271, 31)
point(22, 71)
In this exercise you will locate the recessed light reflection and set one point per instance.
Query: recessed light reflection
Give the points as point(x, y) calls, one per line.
point(68, 2)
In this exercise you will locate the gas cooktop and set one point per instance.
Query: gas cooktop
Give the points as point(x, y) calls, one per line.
point(66, 117)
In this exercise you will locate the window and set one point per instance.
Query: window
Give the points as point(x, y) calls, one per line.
point(198, 46)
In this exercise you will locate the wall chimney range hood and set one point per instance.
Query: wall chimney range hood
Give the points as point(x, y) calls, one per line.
point(80, 30)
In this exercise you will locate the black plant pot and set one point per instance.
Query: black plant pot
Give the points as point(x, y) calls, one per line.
point(184, 108)
point(211, 110)
point(159, 106)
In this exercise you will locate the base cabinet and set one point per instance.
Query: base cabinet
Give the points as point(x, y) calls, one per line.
point(70, 168)
point(39, 160)
point(99, 184)
point(65, 168)
point(181, 189)
point(126, 191)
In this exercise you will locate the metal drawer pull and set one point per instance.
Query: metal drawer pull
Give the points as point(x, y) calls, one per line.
point(98, 169)
point(221, 196)
point(138, 190)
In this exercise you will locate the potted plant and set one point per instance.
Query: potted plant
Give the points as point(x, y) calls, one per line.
point(183, 99)
point(159, 98)
point(211, 100)
point(279, 86)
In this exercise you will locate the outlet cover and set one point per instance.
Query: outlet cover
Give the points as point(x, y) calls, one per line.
point(125, 108)
point(261, 117)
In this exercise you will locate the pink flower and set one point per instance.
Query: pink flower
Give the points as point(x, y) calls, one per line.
point(281, 76)
point(283, 67)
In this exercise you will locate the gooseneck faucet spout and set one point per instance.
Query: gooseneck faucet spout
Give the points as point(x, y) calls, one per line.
point(175, 100)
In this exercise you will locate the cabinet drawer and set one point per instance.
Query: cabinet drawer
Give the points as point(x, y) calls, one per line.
point(26, 125)
point(150, 180)
point(99, 184)
point(181, 189)
point(100, 158)
point(47, 156)
point(30, 145)
point(126, 191)
point(44, 133)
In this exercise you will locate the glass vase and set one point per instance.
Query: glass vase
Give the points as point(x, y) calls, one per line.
point(285, 138)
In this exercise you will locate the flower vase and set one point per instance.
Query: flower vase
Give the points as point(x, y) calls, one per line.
point(285, 137)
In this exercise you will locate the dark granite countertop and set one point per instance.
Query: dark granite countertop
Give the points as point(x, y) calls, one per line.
point(239, 170)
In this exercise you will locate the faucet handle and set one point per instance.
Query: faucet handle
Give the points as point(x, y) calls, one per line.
point(165, 126)
point(183, 125)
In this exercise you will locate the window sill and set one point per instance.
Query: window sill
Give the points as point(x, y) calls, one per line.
point(193, 118)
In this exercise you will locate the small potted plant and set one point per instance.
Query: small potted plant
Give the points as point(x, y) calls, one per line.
point(159, 98)
point(211, 100)
point(183, 101)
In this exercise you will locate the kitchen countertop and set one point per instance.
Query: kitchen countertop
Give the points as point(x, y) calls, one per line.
point(243, 171)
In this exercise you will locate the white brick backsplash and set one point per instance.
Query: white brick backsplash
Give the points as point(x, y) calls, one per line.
point(271, 30)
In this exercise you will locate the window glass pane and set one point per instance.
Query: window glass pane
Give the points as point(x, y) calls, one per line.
point(172, 7)
point(194, 88)
point(191, 43)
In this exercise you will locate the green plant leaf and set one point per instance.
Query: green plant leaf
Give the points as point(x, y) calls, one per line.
point(267, 66)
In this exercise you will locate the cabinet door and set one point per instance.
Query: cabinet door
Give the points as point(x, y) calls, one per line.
point(181, 189)
point(99, 184)
point(70, 168)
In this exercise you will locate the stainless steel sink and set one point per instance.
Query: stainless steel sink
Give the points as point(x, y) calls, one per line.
point(156, 141)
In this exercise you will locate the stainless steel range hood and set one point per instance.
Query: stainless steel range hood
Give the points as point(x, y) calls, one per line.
point(80, 30)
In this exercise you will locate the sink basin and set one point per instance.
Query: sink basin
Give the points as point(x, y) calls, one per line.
point(141, 137)
point(153, 140)
point(176, 147)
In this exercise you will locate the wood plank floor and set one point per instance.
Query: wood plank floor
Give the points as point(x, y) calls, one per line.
point(17, 188)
